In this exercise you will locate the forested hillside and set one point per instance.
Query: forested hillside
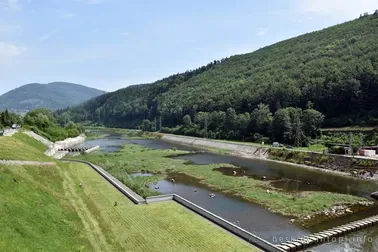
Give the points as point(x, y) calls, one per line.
point(55, 95)
point(333, 71)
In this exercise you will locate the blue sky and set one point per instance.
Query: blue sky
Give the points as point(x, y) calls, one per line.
point(110, 44)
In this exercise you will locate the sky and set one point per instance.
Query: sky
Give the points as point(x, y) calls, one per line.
point(110, 44)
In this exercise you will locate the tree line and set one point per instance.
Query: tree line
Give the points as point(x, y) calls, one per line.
point(288, 125)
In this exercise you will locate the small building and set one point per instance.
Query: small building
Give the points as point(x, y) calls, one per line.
point(369, 151)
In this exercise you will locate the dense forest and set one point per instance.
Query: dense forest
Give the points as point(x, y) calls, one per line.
point(283, 92)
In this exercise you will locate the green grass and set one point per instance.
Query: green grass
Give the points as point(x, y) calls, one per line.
point(35, 213)
point(101, 132)
point(313, 148)
point(95, 135)
point(133, 158)
point(47, 210)
point(22, 147)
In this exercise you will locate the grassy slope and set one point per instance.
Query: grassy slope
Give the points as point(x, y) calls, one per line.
point(134, 158)
point(35, 213)
point(44, 209)
point(155, 227)
point(22, 147)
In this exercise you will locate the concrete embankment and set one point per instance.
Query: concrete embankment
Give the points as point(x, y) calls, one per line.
point(53, 148)
point(134, 197)
point(241, 149)
point(10, 132)
point(345, 165)
point(39, 138)
point(92, 149)
point(69, 142)
point(137, 199)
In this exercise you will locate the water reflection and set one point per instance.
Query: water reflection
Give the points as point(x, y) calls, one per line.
point(291, 178)
point(245, 214)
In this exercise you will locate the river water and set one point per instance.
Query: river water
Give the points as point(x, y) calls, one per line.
point(252, 217)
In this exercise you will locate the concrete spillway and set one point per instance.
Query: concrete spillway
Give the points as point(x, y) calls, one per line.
point(80, 149)
point(327, 235)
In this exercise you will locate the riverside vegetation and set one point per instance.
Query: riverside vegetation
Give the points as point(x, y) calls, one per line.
point(133, 158)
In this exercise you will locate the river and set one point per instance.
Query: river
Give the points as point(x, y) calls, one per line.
point(251, 216)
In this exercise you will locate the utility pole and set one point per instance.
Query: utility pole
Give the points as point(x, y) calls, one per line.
point(160, 123)
point(155, 124)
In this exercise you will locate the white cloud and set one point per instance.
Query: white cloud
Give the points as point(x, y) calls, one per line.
point(262, 31)
point(47, 36)
point(339, 8)
point(10, 50)
point(11, 5)
point(124, 33)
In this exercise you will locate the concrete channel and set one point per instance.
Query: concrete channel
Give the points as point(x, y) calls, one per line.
point(289, 246)
point(137, 199)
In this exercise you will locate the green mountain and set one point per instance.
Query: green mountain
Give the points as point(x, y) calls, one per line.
point(56, 95)
point(334, 70)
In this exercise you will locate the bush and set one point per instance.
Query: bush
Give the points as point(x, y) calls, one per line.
point(337, 150)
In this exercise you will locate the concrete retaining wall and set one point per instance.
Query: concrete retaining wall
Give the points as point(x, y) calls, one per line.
point(312, 159)
point(244, 149)
point(9, 132)
point(50, 151)
point(69, 142)
point(115, 182)
point(251, 238)
point(92, 149)
point(53, 148)
point(159, 198)
point(37, 137)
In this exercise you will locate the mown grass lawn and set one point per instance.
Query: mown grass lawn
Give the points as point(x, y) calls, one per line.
point(45, 209)
point(134, 158)
point(22, 147)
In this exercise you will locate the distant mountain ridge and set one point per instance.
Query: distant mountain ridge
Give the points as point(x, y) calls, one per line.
point(55, 95)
